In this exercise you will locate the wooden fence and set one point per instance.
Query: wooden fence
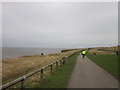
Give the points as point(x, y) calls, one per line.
point(41, 71)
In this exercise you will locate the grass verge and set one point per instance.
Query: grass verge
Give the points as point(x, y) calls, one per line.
point(107, 62)
point(60, 77)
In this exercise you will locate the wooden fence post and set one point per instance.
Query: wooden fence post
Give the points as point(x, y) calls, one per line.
point(51, 67)
point(57, 64)
point(42, 73)
point(60, 61)
point(22, 82)
point(64, 60)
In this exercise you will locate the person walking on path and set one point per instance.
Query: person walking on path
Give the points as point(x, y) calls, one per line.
point(84, 53)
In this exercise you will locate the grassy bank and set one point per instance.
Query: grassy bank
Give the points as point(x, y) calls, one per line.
point(16, 67)
point(107, 62)
point(60, 77)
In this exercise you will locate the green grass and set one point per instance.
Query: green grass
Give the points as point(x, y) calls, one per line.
point(107, 62)
point(60, 77)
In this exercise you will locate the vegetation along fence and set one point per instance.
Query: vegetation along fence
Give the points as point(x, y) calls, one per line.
point(40, 71)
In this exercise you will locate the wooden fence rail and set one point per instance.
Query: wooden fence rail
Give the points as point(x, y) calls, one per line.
point(41, 71)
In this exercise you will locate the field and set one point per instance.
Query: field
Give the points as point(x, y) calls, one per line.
point(104, 50)
point(16, 67)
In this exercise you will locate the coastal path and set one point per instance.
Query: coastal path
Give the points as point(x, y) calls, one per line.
point(87, 74)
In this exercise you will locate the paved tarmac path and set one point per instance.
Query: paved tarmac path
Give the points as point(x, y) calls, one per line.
point(87, 74)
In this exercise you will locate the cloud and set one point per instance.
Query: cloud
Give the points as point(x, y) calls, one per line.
point(59, 24)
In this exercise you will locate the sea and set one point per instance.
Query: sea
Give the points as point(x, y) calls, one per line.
point(8, 52)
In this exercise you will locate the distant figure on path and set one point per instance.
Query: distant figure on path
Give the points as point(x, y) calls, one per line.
point(84, 53)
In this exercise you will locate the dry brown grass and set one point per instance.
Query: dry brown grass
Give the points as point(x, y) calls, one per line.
point(115, 48)
point(16, 67)
point(95, 50)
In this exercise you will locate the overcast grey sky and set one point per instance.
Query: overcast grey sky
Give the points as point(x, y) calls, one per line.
point(59, 24)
